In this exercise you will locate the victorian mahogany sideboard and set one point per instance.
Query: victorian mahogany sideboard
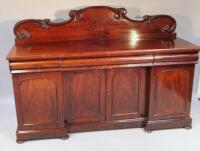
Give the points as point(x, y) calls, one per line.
point(100, 70)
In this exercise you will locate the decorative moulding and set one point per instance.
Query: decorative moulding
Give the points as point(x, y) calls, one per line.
point(98, 21)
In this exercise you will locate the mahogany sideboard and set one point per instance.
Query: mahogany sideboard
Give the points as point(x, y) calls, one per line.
point(100, 70)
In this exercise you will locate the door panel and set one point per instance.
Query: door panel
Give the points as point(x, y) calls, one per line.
point(84, 95)
point(39, 100)
point(125, 93)
point(38, 103)
point(171, 89)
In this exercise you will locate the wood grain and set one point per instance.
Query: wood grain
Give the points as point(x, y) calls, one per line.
point(100, 70)
point(111, 23)
point(125, 93)
point(84, 94)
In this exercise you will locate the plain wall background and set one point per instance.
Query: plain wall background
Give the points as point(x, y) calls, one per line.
point(186, 13)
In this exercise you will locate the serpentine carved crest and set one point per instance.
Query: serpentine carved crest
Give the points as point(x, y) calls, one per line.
point(150, 24)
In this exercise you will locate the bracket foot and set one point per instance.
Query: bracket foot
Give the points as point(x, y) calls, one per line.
point(20, 142)
point(188, 127)
point(148, 131)
point(65, 138)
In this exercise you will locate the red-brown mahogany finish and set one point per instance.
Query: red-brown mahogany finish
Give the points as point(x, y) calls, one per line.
point(39, 105)
point(126, 93)
point(100, 70)
point(170, 96)
point(80, 89)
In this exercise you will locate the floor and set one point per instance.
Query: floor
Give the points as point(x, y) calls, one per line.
point(115, 140)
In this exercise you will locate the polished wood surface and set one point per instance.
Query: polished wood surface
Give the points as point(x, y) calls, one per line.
point(98, 23)
point(125, 93)
point(100, 70)
point(84, 95)
point(170, 96)
point(104, 48)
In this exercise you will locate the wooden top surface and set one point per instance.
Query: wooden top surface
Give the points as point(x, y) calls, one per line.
point(91, 49)
point(99, 31)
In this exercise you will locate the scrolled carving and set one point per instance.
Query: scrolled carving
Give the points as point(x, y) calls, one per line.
point(168, 28)
point(149, 19)
point(120, 13)
point(95, 21)
point(75, 14)
point(44, 23)
point(164, 29)
point(23, 34)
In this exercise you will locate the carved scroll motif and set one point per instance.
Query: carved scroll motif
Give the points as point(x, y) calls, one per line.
point(75, 14)
point(165, 29)
point(120, 13)
point(44, 23)
point(149, 19)
point(168, 28)
point(32, 29)
point(23, 34)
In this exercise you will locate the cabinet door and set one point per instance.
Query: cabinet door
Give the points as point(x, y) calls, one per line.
point(125, 97)
point(39, 100)
point(171, 89)
point(84, 95)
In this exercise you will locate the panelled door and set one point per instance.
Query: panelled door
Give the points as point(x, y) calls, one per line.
point(125, 93)
point(170, 91)
point(99, 95)
point(39, 100)
point(84, 95)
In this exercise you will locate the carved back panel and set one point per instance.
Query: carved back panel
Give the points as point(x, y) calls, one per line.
point(95, 23)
